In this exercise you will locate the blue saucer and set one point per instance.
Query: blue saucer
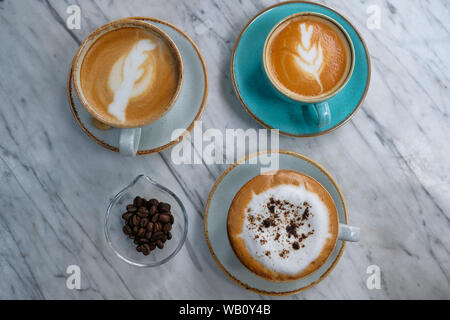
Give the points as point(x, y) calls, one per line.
point(260, 99)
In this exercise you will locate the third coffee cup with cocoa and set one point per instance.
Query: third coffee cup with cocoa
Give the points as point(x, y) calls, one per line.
point(284, 225)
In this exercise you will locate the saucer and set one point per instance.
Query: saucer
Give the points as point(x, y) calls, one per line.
point(216, 213)
point(260, 99)
point(188, 108)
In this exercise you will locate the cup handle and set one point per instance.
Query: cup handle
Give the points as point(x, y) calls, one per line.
point(348, 233)
point(323, 113)
point(129, 141)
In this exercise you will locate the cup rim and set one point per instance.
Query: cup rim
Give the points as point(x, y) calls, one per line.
point(288, 93)
point(330, 251)
point(108, 216)
point(113, 26)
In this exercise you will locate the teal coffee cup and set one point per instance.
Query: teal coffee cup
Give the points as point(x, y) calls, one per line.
point(309, 58)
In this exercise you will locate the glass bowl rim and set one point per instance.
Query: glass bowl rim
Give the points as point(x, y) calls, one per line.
point(118, 196)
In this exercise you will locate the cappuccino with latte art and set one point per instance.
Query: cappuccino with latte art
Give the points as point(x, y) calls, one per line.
point(129, 74)
point(308, 57)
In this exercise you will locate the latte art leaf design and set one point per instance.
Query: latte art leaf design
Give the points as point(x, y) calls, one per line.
point(309, 56)
point(131, 72)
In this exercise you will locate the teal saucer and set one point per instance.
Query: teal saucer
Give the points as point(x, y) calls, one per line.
point(261, 100)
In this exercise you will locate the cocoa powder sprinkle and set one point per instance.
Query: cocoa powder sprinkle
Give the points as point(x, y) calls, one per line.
point(278, 218)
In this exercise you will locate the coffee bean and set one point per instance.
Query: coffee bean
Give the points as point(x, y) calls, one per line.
point(157, 235)
point(143, 212)
point(157, 227)
point(137, 202)
point(142, 215)
point(152, 210)
point(163, 207)
point(127, 230)
point(167, 227)
point(144, 222)
point(164, 218)
point(131, 208)
point(135, 220)
point(127, 215)
point(148, 224)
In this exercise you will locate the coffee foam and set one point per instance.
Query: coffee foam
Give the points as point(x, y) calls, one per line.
point(130, 76)
point(309, 56)
point(125, 73)
point(283, 258)
point(282, 225)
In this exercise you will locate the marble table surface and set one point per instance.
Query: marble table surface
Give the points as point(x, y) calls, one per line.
point(391, 159)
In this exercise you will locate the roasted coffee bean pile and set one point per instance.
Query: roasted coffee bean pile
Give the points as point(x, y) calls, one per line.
point(148, 223)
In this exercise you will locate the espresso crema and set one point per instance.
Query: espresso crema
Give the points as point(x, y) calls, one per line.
point(309, 57)
point(130, 76)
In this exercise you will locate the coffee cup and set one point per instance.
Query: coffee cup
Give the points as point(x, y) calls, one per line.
point(127, 74)
point(309, 58)
point(284, 225)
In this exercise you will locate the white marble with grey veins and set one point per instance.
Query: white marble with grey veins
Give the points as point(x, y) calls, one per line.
point(391, 159)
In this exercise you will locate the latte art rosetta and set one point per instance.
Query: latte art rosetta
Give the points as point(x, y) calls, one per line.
point(130, 76)
point(133, 77)
point(310, 57)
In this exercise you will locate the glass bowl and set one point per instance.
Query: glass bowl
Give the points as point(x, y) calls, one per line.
point(122, 245)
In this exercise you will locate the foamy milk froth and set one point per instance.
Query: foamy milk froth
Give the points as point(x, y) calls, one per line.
point(285, 228)
point(131, 75)
point(125, 73)
point(310, 56)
